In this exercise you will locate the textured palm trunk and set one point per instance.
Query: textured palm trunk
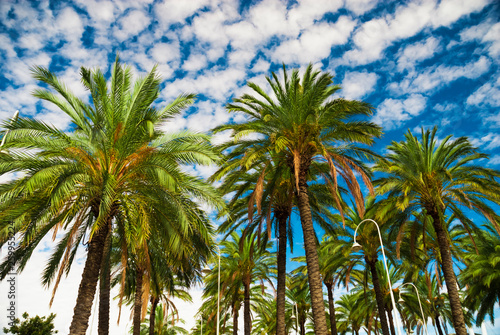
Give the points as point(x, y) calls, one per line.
point(390, 321)
point(235, 320)
point(152, 315)
point(438, 324)
point(247, 321)
point(88, 284)
point(281, 286)
point(315, 281)
point(104, 286)
point(302, 325)
point(378, 296)
point(138, 303)
point(449, 275)
point(331, 308)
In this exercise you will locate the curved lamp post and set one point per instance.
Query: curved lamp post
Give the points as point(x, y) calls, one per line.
point(357, 247)
point(207, 270)
point(419, 303)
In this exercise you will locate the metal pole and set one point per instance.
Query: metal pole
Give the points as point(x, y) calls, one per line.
point(297, 321)
point(218, 293)
point(419, 303)
point(387, 271)
point(201, 325)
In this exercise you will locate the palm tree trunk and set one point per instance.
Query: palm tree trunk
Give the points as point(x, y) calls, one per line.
point(247, 321)
point(302, 324)
point(331, 308)
point(449, 275)
point(390, 320)
point(378, 296)
point(281, 289)
point(438, 324)
point(152, 315)
point(104, 286)
point(138, 302)
point(88, 284)
point(315, 282)
point(235, 320)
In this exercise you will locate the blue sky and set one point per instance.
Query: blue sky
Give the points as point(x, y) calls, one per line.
point(420, 63)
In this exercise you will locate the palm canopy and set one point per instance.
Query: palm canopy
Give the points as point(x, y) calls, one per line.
point(300, 123)
point(440, 178)
point(114, 162)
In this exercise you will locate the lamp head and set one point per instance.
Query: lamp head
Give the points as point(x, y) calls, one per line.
point(206, 270)
point(356, 247)
point(400, 301)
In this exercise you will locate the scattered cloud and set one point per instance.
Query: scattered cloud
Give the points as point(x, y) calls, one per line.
point(436, 77)
point(358, 84)
point(392, 113)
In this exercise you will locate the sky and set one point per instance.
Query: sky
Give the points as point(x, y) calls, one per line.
point(419, 63)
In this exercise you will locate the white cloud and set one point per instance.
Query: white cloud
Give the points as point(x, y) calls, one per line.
point(392, 113)
point(131, 24)
point(360, 6)
point(215, 84)
point(261, 66)
point(172, 11)
point(314, 43)
point(70, 24)
point(486, 95)
point(99, 10)
point(269, 17)
point(358, 84)
point(486, 32)
point(417, 52)
point(374, 36)
point(195, 62)
point(438, 76)
point(164, 53)
point(488, 142)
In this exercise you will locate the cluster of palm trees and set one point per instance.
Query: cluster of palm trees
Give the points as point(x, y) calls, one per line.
point(114, 187)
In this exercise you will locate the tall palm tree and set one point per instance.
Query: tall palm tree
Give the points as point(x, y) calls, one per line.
point(482, 276)
point(302, 124)
point(441, 179)
point(243, 262)
point(113, 162)
point(299, 296)
point(261, 196)
point(165, 323)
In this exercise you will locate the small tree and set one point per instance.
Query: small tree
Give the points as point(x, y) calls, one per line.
point(33, 326)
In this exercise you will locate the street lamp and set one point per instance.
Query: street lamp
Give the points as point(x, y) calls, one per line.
point(419, 303)
point(207, 270)
point(357, 247)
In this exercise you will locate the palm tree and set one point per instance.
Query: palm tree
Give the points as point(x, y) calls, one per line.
point(260, 196)
point(335, 269)
point(440, 179)
point(165, 323)
point(482, 276)
point(114, 161)
point(243, 262)
point(299, 296)
point(301, 125)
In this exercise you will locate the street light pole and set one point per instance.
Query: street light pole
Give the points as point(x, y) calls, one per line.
point(218, 292)
point(207, 270)
point(356, 247)
point(420, 304)
point(297, 319)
